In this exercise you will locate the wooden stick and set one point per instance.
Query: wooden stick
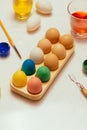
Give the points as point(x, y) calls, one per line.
point(9, 39)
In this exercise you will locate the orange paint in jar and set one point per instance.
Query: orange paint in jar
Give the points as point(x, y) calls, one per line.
point(79, 22)
point(22, 8)
point(77, 10)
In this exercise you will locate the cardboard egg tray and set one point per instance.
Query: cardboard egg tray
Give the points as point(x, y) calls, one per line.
point(23, 91)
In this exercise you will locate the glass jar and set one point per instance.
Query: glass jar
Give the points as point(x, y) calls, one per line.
point(22, 8)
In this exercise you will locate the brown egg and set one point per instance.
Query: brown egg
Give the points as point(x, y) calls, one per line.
point(53, 35)
point(45, 45)
point(59, 50)
point(67, 41)
point(51, 61)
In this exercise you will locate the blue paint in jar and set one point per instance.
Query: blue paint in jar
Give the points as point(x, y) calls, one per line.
point(4, 49)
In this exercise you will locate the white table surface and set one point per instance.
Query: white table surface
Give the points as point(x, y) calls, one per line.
point(63, 107)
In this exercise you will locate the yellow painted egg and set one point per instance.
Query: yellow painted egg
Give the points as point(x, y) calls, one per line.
point(19, 79)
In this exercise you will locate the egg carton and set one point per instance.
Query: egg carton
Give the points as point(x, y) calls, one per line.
point(24, 92)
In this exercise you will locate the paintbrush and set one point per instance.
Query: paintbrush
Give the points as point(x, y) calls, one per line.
point(9, 39)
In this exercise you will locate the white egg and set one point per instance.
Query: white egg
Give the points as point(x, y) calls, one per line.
point(44, 6)
point(37, 55)
point(33, 23)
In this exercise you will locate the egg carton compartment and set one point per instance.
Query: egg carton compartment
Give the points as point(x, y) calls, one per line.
point(23, 91)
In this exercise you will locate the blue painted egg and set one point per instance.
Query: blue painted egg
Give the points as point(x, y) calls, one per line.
point(28, 67)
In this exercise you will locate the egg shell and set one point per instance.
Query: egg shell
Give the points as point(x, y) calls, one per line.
point(33, 23)
point(59, 50)
point(45, 45)
point(67, 41)
point(53, 35)
point(28, 67)
point(37, 55)
point(51, 61)
point(44, 7)
point(34, 85)
point(19, 79)
point(43, 73)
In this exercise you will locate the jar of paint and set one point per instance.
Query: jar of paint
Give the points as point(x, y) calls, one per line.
point(22, 8)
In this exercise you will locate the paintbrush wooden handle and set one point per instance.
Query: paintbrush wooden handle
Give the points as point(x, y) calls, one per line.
point(7, 34)
point(84, 91)
point(9, 38)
